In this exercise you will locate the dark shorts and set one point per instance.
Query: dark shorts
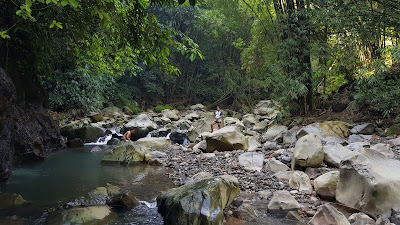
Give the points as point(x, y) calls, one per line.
point(217, 121)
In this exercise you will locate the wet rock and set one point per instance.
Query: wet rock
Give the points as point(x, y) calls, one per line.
point(96, 149)
point(334, 154)
point(84, 215)
point(300, 181)
point(282, 202)
point(125, 152)
point(10, 200)
point(113, 141)
point(395, 218)
point(251, 161)
point(325, 185)
point(294, 215)
point(96, 117)
point(178, 136)
point(126, 200)
point(384, 149)
point(198, 203)
point(308, 151)
point(366, 128)
point(361, 219)
point(245, 212)
point(86, 133)
point(226, 139)
point(275, 165)
point(328, 215)
point(156, 158)
point(75, 143)
point(370, 182)
point(274, 133)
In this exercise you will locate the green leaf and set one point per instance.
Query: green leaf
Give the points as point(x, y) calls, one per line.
point(59, 25)
point(28, 3)
point(73, 3)
point(192, 56)
point(51, 25)
point(64, 2)
point(4, 35)
point(48, 1)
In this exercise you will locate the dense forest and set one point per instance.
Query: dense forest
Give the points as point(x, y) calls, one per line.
point(147, 53)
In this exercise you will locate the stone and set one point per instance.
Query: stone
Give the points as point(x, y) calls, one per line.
point(274, 133)
point(11, 200)
point(366, 128)
point(170, 114)
point(101, 214)
point(361, 219)
point(197, 203)
point(357, 146)
point(267, 108)
point(383, 221)
point(125, 152)
point(152, 143)
point(198, 107)
point(110, 111)
point(282, 202)
point(231, 121)
point(200, 147)
point(394, 129)
point(96, 117)
point(127, 110)
point(253, 143)
point(226, 139)
point(359, 138)
point(294, 215)
point(113, 141)
point(370, 182)
point(300, 181)
point(328, 215)
point(251, 161)
point(328, 131)
point(126, 200)
point(198, 127)
point(201, 176)
point(245, 212)
point(289, 137)
point(325, 185)
point(85, 133)
point(395, 218)
point(334, 154)
point(192, 116)
point(395, 142)
point(308, 151)
point(275, 165)
point(183, 124)
point(142, 125)
point(75, 143)
point(269, 145)
point(178, 136)
point(284, 175)
point(96, 149)
point(384, 149)
point(261, 126)
point(249, 120)
point(156, 158)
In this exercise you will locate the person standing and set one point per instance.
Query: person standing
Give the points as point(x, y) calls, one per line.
point(218, 119)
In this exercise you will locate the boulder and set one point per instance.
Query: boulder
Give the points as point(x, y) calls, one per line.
point(359, 138)
point(226, 139)
point(183, 124)
point(335, 153)
point(300, 181)
point(370, 182)
point(266, 108)
point(251, 161)
point(230, 121)
point(178, 136)
point(275, 165)
point(151, 143)
point(113, 141)
point(308, 151)
point(394, 129)
point(325, 185)
point(75, 143)
point(197, 203)
point(198, 107)
point(384, 149)
point(274, 133)
point(249, 120)
point(245, 212)
point(200, 147)
point(193, 116)
point(111, 111)
point(254, 143)
point(101, 214)
point(282, 202)
point(395, 142)
point(10, 200)
point(142, 125)
point(96, 117)
point(198, 127)
point(329, 131)
point(156, 158)
point(85, 133)
point(125, 152)
point(328, 215)
point(366, 128)
point(127, 110)
point(355, 146)
point(361, 219)
point(126, 200)
point(170, 114)
point(262, 126)
point(289, 137)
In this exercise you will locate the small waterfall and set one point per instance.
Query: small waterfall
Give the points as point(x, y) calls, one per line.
point(167, 137)
point(148, 135)
point(186, 142)
point(150, 205)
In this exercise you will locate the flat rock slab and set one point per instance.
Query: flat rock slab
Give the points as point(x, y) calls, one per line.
point(251, 161)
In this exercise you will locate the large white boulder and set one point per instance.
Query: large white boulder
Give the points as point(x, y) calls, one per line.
point(254, 143)
point(325, 184)
point(274, 132)
point(231, 121)
point(329, 131)
point(366, 128)
point(275, 165)
point(170, 114)
point(251, 161)
point(142, 125)
point(226, 139)
point(370, 182)
point(125, 152)
point(101, 214)
point(151, 142)
point(267, 108)
point(335, 153)
point(282, 201)
point(200, 126)
point(300, 181)
point(308, 151)
point(249, 120)
point(384, 149)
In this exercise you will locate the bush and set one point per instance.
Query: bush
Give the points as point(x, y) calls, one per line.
point(122, 101)
point(380, 93)
point(77, 90)
point(160, 108)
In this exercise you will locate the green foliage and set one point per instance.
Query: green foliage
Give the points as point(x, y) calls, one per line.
point(380, 93)
point(160, 108)
point(77, 90)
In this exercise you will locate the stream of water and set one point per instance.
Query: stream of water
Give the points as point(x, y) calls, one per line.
point(68, 174)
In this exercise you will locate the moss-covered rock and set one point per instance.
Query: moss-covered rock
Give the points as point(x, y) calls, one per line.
point(198, 203)
point(10, 200)
point(97, 215)
point(125, 152)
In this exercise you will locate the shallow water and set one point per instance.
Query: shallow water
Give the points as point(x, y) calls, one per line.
point(68, 174)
